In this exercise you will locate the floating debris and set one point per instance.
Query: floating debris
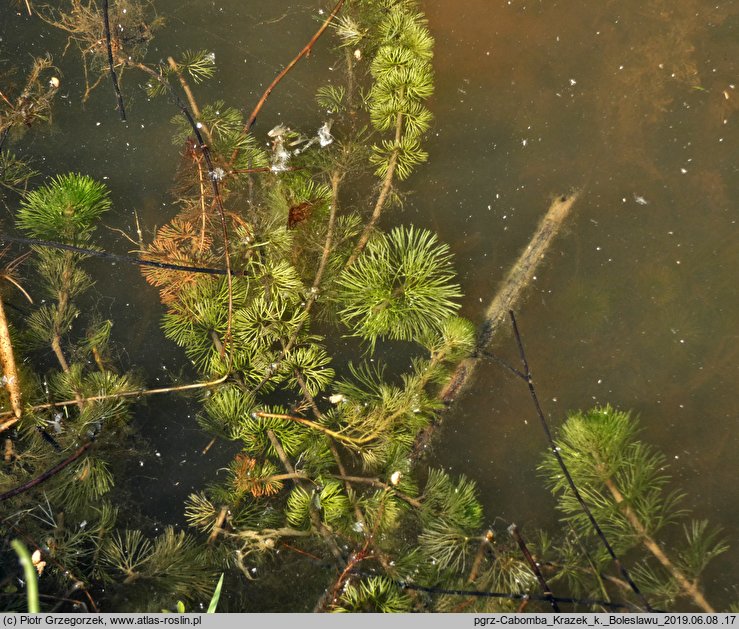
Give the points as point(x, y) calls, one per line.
point(640, 200)
point(324, 134)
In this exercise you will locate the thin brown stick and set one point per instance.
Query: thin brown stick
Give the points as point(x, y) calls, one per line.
point(209, 446)
point(46, 475)
point(303, 53)
point(485, 543)
point(528, 377)
point(111, 64)
point(513, 530)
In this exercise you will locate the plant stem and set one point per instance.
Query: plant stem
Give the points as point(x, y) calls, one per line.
point(315, 518)
point(303, 53)
point(528, 377)
point(190, 98)
point(376, 482)
point(46, 475)
point(10, 372)
point(61, 307)
point(689, 588)
point(113, 396)
point(387, 184)
point(513, 530)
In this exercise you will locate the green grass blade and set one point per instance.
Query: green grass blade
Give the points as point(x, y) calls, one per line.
point(216, 596)
point(30, 573)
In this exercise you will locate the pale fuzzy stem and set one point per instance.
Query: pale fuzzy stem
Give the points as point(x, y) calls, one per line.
point(10, 371)
point(98, 359)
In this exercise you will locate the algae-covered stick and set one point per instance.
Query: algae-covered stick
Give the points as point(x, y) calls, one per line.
point(509, 294)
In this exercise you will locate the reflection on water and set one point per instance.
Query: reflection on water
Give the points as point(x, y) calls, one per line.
point(632, 101)
point(636, 103)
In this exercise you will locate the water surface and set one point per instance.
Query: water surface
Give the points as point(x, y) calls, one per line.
point(632, 102)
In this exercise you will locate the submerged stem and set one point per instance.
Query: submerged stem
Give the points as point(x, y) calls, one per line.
point(10, 372)
point(387, 184)
point(689, 588)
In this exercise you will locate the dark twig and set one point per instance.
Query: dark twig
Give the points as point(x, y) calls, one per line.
point(504, 595)
point(503, 363)
point(513, 530)
point(46, 475)
point(114, 256)
point(111, 64)
point(555, 451)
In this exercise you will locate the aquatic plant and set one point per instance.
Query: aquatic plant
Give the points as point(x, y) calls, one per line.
point(19, 112)
point(264, 273)
point(68, 449)
point(400, 288)
point(626, 484)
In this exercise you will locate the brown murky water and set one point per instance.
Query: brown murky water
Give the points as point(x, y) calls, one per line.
point(634, 102)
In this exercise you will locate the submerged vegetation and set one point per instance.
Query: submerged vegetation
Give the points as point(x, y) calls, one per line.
point(267, 268)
